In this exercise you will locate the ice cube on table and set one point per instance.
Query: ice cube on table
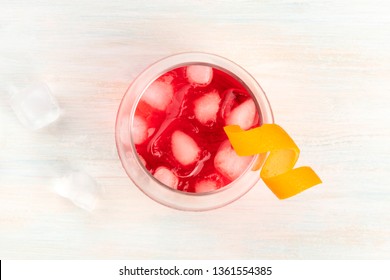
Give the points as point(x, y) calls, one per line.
point(166, 176)
point(199, 75)
point(80, 188)
point(139, 130)
point(243, 115)
point(205, 186)
point(184, 148)
point(228, 163)
point(158, 95)
point(35, 106)
point(206, 107)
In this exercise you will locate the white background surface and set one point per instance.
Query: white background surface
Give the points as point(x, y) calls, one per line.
point(325, 66)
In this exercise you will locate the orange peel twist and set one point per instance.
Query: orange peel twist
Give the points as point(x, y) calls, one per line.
point(278, 171)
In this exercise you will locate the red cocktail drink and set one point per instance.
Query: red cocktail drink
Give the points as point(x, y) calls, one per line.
point(178, 127)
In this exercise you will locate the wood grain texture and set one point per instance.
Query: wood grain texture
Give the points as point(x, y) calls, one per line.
point(325, 66)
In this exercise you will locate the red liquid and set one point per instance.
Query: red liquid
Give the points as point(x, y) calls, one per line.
point(183, 131)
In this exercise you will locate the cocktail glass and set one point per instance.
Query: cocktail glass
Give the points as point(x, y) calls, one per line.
point(135, 166)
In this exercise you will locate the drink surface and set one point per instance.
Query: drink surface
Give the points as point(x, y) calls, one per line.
point(178, 128)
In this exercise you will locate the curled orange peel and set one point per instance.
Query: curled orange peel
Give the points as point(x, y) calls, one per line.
point(278, 171)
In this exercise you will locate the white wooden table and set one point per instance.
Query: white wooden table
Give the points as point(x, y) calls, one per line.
point(325, 66)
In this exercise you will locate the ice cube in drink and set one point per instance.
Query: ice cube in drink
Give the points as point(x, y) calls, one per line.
point(178, 127)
